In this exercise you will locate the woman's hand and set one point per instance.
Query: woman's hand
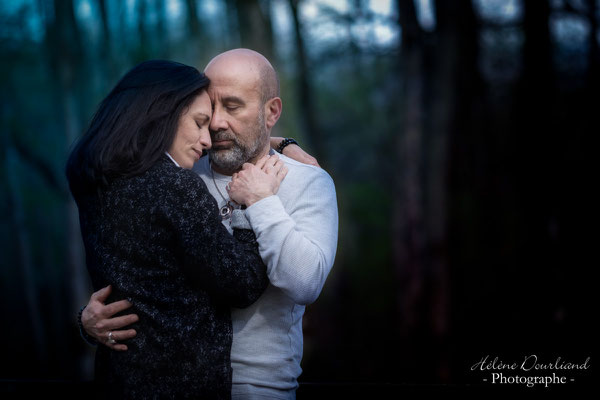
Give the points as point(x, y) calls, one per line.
point(295, 152)
point(255, 182)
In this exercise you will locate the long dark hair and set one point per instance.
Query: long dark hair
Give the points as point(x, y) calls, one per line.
point(134, 125)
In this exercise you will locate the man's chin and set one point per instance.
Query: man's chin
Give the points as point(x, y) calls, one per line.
point(222, 151)
point(224, 158)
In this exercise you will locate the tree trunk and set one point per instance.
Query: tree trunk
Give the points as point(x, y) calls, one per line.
point(454, 92)
point(105, 46)
point(434, 92)
point(15, 206)
point(192, 19)
point(594, 57)
point(407, 214)
point(162, 41)
point(66, 57)
point(144, 47)
point(308, 120)
point(255, 28)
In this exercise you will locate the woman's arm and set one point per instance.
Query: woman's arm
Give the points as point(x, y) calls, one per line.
point(294, 151)
point(228, 267)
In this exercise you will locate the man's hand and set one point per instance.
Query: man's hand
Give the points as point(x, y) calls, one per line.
point(97, 321)
point(295, 152)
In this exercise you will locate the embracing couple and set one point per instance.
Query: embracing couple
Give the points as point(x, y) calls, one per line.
point(202, 266)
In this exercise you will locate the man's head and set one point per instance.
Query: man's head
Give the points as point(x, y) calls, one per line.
point(244, 90)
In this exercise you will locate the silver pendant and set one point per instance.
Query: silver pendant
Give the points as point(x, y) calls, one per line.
point(226, 211)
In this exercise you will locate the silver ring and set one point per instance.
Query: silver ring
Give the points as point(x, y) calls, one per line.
point(110, 338)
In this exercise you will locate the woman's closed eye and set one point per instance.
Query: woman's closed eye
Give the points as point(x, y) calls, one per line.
point(203, 121)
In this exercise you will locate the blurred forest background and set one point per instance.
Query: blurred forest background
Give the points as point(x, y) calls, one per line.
point(458, 132)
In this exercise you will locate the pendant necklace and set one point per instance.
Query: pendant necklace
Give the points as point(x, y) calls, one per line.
point(227, 209)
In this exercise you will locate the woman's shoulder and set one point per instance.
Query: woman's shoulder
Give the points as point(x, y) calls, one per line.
point(169, 175)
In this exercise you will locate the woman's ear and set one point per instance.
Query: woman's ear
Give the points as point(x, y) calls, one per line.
point(272, 112)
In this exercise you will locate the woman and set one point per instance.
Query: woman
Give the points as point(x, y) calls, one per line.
point(152, 230)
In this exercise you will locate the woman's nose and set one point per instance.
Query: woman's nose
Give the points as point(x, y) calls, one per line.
point(205, 141)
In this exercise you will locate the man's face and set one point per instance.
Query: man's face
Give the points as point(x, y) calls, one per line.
point(237, 128)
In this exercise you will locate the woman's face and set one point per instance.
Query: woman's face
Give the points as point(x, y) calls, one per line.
point(192, 132)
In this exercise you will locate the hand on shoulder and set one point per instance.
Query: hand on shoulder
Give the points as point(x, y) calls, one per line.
point(256, 182)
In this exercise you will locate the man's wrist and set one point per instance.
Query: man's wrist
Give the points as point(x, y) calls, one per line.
point(87, 338)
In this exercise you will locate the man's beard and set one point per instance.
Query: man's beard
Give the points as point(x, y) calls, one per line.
point(233, 158)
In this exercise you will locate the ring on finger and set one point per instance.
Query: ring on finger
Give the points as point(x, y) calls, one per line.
point(111, 340)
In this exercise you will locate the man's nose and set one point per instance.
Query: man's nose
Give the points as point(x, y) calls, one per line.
point(217, 123)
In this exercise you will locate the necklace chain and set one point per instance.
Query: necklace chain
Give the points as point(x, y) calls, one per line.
point(218, 190)
point(227, 209)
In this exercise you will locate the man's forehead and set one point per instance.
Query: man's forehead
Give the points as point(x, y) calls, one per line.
point(227, 88)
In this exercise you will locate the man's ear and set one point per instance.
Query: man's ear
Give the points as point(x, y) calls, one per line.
point(272, 112)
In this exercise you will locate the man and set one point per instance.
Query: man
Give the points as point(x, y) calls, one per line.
point(296, 231)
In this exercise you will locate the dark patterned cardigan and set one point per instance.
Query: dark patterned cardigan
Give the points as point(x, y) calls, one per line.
point(158, 239)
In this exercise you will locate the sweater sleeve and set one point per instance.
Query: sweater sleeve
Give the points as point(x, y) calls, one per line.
point(228, 267)
point(298, 247)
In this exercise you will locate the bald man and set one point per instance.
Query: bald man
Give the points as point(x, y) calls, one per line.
point(296, 230)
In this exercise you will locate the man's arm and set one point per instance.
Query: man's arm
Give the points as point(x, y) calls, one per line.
point(97, 319)
point(298, 247)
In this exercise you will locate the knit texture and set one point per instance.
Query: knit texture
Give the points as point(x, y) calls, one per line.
point(158, 239)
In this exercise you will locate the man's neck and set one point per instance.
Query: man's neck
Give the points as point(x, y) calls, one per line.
point(221, 170)
point(228, 172)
